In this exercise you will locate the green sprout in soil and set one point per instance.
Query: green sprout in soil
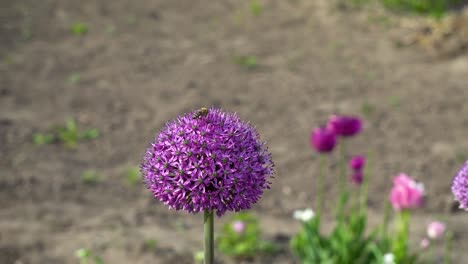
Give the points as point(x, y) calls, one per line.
point(131, 19)
point(87, 257)
point(91, 177)
point(67, 135)
point(367, 109)
point(132, 176)
point(255, 7)
point(248, 62)
point(74, 78)
point(42, 139)
point(110, 29)
point(79, 29)
point(395, 101)
point(150, 244)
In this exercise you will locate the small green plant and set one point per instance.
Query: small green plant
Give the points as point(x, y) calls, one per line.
point(74, 78)
point(150, 244)
point(79, 29)
point(395, 101)
point(255, 7)
point(68, 135)
point(132, 176)
point(131, 19)
point(42, 139)
point(110, 29)
point(431, 7)
point(248, 62)
point(240, 238)
point(91, 177)
point(367, 109)
point(87, 257)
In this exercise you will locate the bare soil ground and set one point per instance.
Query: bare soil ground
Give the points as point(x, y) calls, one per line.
point(144, 62)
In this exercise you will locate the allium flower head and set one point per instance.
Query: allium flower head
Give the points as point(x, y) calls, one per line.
point(460, 186)
point(357, 162)
point(238, 226)
point(406, 193)
point(323, 139)
point(435, 229)
point(345, 126)
point(212, 161)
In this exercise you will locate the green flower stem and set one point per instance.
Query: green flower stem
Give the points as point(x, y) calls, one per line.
point(365, 183)
point(343, 193)
point(386, 218)
point(342, 179)
point(321, 183)
point(400, 242)
point(208, 224)
point(448, 247)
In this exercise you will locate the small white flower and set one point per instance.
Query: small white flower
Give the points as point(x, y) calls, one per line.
point(388, 259)
point(304, 215)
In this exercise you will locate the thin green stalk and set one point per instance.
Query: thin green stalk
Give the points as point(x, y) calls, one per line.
point(342, 179)
point(448, 247)
point(386, 218)
point(431, 252)
point(321, 183)
point(400, 242)
point(208, 225)
point(343, 194)
point(365, 183)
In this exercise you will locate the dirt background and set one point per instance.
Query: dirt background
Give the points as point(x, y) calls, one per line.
point(144, 62)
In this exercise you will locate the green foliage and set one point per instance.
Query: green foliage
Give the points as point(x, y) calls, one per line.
point(79, 29)
point(150, 244)
point(74, 78)
point(42, 139)
point(255, 7)
point(248, 62)
point(87, 257)
point(67, 135)
point(347, 243)
point(132, 176)
point(431, 7)
point(91, 177)
point(367, 109)
point(245, 244)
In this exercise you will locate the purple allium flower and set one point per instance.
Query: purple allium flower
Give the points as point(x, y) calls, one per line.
point(460, 186)
point(323, 139)
point(345, 126)
point(357, 177)
point(210, 162)
point(356, 163)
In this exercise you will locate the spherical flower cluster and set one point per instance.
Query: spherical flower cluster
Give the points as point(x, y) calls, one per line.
point(212, 161)
point(460, 186)
point(406, 193)
point(323, 139)
point(435, 229)
point(345, 126)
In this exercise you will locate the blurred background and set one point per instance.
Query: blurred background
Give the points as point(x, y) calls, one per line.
point(85, 86)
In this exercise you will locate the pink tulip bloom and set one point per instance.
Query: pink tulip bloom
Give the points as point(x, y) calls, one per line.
point(406, 193)
point(435, 229)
